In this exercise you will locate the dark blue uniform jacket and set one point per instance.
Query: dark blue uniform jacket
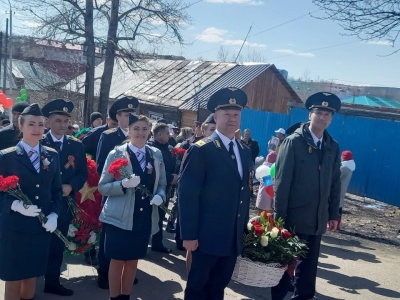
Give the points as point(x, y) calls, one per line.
point(108, 140)
point(43, 188)
point(213, 199)
point(91, 140)
point(73, 169)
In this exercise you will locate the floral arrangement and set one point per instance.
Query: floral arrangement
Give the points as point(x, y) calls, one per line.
point(118, 169)
point(268, 242)
point(10, 185)
point(84, 230)
point(80, 239)
point(178, 152)
point(81, 133)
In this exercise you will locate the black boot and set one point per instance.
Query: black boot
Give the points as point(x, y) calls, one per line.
point(102, 279)
point(124, 297)
point(57, 289)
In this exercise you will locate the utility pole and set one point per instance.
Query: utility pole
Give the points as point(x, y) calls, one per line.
point(5, 58)
point(11, 76)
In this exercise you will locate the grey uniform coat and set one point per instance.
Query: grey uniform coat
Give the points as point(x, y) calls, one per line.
point(307, 182)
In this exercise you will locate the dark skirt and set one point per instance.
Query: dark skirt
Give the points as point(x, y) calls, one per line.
point(123, 244)
point(23, 255)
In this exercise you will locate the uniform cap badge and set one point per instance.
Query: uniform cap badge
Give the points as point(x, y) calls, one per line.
point(325, 103)
point(65, 109)
point(232, 101)
point(130, 105)
point(232, 89)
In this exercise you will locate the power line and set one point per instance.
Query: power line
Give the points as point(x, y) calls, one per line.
point(271, 28)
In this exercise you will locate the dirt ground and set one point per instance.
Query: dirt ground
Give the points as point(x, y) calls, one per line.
point(365, 218)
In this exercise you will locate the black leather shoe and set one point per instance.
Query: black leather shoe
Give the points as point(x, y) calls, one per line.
point(161, 249)
point(58, 289)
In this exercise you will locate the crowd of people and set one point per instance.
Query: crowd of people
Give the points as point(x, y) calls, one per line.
point(211, 175)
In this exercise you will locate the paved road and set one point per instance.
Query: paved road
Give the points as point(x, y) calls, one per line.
point(350, 268)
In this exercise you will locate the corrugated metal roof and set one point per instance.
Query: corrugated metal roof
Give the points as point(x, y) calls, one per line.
point(238, 77)
point(34, 76)
point(161, 81)
point(373, 101)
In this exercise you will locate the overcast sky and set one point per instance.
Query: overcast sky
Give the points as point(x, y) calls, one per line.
point(283, 33)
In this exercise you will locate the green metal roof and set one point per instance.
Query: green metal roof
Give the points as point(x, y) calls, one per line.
point(373, 101)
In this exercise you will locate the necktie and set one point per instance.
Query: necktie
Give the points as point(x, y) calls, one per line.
point(141, 159)
point(232, 153)
point(34, 157)
point(57, 146)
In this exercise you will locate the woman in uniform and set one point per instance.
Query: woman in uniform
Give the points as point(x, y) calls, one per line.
point(24, 240)
point(129, 217)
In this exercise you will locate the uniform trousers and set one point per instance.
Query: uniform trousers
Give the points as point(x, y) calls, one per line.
point(104, 261)
point(209, 276)
point(56, 255)
point(305, 274)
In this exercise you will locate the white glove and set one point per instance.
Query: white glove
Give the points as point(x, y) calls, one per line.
point(157, 200)
point(29, 210)
point(51, 223)
point(131, 182)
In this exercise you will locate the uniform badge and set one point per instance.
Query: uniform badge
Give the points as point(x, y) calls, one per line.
point(232, 101)
point(65, 109)
point(45, 163)
point(232, 89)
point(149, 168)
point(218, 144)
point(309, 149)
point(325, 103)
point(130, 105)
point(71, 162)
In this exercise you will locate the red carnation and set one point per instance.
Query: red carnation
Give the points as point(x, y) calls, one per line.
point(286, 235)
point(256, 223)
point(8, 182)
point(258, 230)
point(115, 167)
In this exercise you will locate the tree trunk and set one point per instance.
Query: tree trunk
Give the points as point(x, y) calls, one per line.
point(110, 56)
point(90, 52)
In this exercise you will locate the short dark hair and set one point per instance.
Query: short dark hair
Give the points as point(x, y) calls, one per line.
point(159, 127)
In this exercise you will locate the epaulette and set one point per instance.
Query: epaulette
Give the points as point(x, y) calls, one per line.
point(108, 131)
point(203, 141)
point(50, 149)
point(8, 150)
point(72, 138)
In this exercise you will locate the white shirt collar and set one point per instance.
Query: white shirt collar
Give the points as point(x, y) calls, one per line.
point(28, 148)
point(315, 138)
point(136, 149)
point(55, 139)
point(225, 140)
point(124, 132)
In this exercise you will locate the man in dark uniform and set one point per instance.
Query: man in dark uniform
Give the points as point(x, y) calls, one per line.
point(91, 139)
point(160, 141)
point(307, 189)
point(214, 196)
point(110, 138)
point(9, 135)
point(73, 169)
point(113, 137)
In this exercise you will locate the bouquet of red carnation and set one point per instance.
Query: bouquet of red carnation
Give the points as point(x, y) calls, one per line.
point(268, 251)
point(118, 169)
point(10, 185)
point(178, 152)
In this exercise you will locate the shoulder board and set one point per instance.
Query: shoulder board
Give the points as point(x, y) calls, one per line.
point(50, 149)
point(108, 131)
point(8, 150)
point(203, 142)
point(72, 138)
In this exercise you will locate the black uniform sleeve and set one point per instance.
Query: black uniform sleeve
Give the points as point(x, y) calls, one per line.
point(81, 174)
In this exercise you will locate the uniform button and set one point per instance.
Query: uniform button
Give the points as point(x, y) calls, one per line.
point(36, 197)
point(238, 215)
point(242, 188)
point(141, 209)
point(241, 202)
point(143, 198)
point(37, 185)
point(60, 173)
